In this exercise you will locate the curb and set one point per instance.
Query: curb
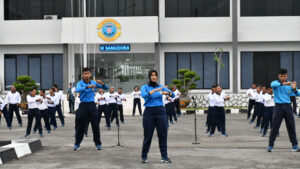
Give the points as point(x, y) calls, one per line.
point(228, 111)
point(15, 149)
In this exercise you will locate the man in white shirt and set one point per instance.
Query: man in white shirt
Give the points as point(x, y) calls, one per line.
point(33, 112)
point(112, 105)
point(172, 106)
point(120, 99)
point(268, 114)
point(43, 106)
point(3, 110)
point(210, 112)
point(60, 97)
point(167, 101)
point(219, 97)
point(251, 93)
point(177, 100)
point(13, 99)
point(101, 99)
point(137, 100)
point(258, 107)
point(52, 101)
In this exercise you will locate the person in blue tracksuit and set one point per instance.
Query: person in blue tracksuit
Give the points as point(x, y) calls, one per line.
point(283, 110)
point(87, 111)
point(155, 116)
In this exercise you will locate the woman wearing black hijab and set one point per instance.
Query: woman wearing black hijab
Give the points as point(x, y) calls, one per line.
point(155, 116)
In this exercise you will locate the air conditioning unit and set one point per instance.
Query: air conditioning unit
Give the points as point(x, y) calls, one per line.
point(50, 17)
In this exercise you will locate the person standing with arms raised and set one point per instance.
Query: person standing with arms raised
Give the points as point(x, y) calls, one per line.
point(282, 90)
point(87, 111)
point(155, 116)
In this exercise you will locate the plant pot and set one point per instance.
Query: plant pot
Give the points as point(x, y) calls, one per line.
point(24, 106)
point(184, 103)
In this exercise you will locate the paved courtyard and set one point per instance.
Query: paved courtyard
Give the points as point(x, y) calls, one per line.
point(244, 148)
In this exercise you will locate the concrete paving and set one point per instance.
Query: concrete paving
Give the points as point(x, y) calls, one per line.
point(244, 148)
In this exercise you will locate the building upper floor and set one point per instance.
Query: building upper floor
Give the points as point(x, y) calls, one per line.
point(149, 21)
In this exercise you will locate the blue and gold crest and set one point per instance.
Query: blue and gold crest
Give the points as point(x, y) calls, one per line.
point(109, 30)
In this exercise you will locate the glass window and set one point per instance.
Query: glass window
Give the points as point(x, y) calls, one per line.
point(202, 63)
point(171, 8)
point(121, 70)
point(35, 9)
point(10, 70)
point(286, 60)
point(22, 65)
point(255, 70)
point(185, 8)
point(224, 72)
point(151, 7)
point(110, 7)
point(270, 8)
point(296, 9)
point(59, 7)
point(47, 71)
point(247, 69)
point(197, 8)
point(48, 6)
point(139, 7)
point(210, 70)
point(39, 67)
point(35, 68)
point(22, 9)
point(10, 9)
point(129, 7)
point(210, 8)
point(223, 8)
point(184, 61)
point(286, 7)
point(197, 66)
point(297, 66)
point(170, 67)
point(58, 69)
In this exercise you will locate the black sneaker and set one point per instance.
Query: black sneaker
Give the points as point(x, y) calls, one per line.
point(166, 160)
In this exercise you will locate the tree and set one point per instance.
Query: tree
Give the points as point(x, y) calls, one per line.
point(24, 85)
point(218, 58)
point(186, 81)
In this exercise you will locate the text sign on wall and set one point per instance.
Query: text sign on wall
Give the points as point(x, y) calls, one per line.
point(115, 48)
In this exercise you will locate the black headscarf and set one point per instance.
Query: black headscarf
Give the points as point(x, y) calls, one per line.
point(153, 84)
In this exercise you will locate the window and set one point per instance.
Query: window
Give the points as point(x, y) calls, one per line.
point(270, 8)
point(197, 8)
point(255, 70)
point(45, 69)
point(119, 69)
point(202, 63)
point(98, 8)
point(37, 9)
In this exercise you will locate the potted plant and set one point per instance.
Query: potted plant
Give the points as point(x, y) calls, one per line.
point(185, 83)
point(23, 85)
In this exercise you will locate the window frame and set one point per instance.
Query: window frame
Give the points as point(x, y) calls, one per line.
point(203, 69)
point(31, 56)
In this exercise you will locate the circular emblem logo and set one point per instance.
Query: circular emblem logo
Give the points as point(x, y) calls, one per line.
point(109, 30)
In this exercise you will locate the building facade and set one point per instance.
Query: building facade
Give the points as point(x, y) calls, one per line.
point(123, 39)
